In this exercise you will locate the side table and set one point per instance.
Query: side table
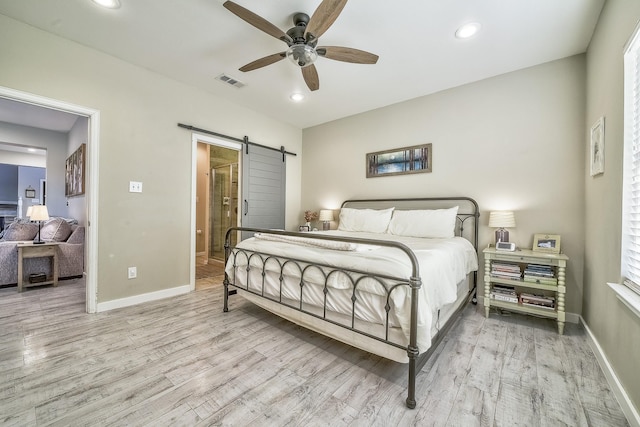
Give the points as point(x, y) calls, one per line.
point(30, 250)
point(520, 260)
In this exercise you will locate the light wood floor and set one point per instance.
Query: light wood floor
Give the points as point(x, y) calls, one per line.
point(182, 361)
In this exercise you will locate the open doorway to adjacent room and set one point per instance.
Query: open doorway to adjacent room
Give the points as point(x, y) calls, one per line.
point(57, 128)
point(217, 206)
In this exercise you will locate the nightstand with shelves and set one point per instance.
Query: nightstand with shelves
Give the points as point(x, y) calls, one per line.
point(524, 258)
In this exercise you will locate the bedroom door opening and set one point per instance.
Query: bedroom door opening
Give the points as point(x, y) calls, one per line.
point(84, 207)
point(217, 196)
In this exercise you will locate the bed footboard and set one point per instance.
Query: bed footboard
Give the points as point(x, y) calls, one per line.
point(269, 272)
point(389, 283)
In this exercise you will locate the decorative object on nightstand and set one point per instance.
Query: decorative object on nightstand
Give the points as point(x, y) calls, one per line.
point(38, 213)
point(549, 243)
point(310, 216)
point(502, 220)
point(326, 216)
point(526, 281)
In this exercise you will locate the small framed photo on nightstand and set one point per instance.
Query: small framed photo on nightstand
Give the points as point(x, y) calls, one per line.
point(304, 228)
point(549, 243)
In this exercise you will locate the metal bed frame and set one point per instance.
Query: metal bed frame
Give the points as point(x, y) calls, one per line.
point(416, 359)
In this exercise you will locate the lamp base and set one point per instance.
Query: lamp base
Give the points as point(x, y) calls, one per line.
point(39, 241)
point(502, 235)
point(326, 225)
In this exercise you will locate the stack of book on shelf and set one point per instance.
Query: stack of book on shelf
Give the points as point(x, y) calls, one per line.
point(504, 293)
point(503, 270)
point(542, 274)
point(540, 301)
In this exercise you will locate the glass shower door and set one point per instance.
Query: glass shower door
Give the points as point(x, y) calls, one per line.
point(224, 202)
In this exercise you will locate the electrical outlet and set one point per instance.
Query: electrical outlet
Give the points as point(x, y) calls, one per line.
point(135, 187)
point(133, 272)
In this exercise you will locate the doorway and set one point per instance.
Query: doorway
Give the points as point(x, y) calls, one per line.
point(89, 205)
point(216, 209)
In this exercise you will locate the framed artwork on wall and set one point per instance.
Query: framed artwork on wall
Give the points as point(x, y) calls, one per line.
point(30, 193)
point(74, 173)
point(597, 147)
point(400, 161)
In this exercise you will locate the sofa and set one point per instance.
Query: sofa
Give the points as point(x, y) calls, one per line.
point(70, 249)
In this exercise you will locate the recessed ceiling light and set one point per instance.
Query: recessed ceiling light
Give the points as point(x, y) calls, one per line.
point(297, 97)
point(468, 30)
point(110, 4)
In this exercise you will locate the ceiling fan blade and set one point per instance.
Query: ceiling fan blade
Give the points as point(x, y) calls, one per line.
point(347, 54)
point(263, 62)
point(257, 21)
point(324, 16)
point(310, 75)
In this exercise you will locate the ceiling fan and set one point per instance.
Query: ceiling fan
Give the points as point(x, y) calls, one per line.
point(302, 40)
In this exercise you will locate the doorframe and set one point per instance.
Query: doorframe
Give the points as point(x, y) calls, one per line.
point(91, 193)
point(195, 138)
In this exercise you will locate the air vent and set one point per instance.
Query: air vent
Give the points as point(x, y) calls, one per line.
point(230, 80)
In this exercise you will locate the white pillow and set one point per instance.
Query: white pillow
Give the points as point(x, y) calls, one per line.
point(369, 220)
point(439, 223)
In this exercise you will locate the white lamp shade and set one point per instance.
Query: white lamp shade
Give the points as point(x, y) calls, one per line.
point(502, 219)
point(326, 215)
point(29, 209)
point(38, 213)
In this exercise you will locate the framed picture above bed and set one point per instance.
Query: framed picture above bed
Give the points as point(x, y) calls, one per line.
point(400, 161)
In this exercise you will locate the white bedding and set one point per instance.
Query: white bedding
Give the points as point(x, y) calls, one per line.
point(442, 262)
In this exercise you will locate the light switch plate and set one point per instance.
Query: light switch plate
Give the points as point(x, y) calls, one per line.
point(135, 187)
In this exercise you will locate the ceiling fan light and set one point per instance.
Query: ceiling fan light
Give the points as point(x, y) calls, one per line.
point(302, 55)
point(468, 30)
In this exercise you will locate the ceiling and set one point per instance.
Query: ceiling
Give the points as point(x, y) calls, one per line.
point(24, 114)
point(194, 41)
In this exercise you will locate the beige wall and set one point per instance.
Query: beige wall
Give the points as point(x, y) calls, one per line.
point(615, 327)
point(515, 141)
point(139, 141)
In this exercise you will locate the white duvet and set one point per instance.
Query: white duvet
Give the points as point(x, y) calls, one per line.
point(442, 264)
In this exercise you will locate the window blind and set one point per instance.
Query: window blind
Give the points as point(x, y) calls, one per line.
point(631, 172)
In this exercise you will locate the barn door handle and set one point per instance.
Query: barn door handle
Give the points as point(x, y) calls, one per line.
point(246, 206)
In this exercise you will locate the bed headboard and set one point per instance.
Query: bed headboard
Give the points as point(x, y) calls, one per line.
point(468, 212)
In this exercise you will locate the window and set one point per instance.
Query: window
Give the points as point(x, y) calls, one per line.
point(631, 180)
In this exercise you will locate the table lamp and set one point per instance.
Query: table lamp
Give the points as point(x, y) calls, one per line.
point(502, 220)
point(326, 216)
point(38, 213)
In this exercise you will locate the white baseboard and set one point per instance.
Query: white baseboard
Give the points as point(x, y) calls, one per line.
point(568, 317)
point(629, 410)
point(139, 299)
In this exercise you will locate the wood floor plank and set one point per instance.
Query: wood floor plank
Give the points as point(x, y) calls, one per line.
point(182, 361)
